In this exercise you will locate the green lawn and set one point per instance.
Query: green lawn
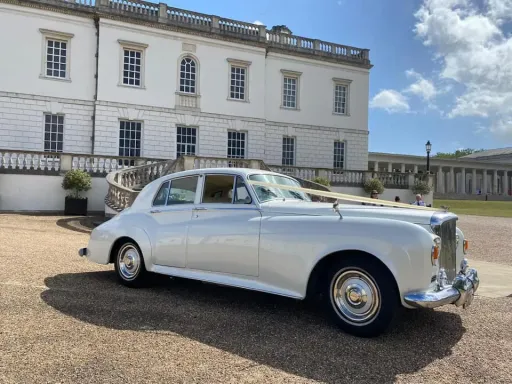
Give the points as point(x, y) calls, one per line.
point(479, 208)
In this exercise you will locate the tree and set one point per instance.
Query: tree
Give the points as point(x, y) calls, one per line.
point(458, 153)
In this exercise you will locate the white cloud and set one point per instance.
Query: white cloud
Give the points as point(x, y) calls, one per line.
point(390, 100)
point(421, 87)
point(473, 49)
point(257, 22)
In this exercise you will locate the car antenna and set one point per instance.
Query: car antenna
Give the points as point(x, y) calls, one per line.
point(335, 206)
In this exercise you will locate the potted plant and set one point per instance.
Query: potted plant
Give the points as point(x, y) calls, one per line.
point(421, 187)
point(373, 185)
point(77, 181)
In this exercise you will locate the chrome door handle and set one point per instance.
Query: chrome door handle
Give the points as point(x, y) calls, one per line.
point(155, 211)
point(200, 209)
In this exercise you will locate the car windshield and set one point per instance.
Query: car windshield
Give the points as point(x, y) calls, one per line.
point(272, 193)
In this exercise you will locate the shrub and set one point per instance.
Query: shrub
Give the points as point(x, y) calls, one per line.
point(322, 180)
point(373, 184)
point(77, 181)
point(421, 187)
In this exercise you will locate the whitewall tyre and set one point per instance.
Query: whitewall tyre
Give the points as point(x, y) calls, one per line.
point(129, 265)
point(361, 296)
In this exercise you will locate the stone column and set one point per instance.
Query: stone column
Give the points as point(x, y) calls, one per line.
point(463, 180)
point(495, 182)
point(505, 182)
point(390, 167)
point(473, 182)
point(452, 180)
point(402, 168)
point(484, 181)
point(440, 180)
point(376, 166)
point(415, 169)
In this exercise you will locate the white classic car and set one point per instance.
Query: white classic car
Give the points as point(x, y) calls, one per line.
point(215, 225)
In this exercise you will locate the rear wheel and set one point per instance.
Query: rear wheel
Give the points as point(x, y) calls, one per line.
point(129, 265)
point(361, 296)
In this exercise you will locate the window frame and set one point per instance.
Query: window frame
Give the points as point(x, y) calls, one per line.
point(235, 177)
point(158, 191)
point(344, 83)
point(292, 75)
point(196, 145)
point(65, 37)
point(132, 46)
point(236, 63)
point(294, 159)
point(178, 82)
point(246, 144)
point(63, 130)
point(119, 138)
point(197, 176)
point(344, 154)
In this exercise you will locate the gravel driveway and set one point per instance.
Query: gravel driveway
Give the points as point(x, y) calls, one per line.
point(66, 320)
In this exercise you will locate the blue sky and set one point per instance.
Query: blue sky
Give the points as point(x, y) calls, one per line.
point(442, 68)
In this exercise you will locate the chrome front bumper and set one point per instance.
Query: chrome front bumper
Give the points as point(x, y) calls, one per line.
point(460, 293)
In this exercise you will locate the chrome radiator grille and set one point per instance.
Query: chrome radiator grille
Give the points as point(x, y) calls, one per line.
point(447, 259)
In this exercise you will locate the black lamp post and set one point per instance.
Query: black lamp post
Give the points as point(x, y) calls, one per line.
point(428, 147)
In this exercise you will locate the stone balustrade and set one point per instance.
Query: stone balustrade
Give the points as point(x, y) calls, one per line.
point(215, 26)
point(38, 162)
point(127, 176)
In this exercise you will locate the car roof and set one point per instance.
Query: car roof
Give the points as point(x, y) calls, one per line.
point(231, 170)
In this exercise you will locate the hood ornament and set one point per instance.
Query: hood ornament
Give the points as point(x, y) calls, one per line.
point(335, 206)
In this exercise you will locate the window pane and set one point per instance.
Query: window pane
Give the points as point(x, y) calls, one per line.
point(132, 62)
point(56, 58)
point(53, 133)
point(241, 193)
point(161, 195)
point(183, 191)
point(129, 138)
point(186, 141)
point(218, 189)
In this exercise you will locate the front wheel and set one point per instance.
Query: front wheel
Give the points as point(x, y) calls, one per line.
point(362, 297)
point(129, 266)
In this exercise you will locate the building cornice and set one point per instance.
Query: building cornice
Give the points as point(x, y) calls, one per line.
point(160, 16)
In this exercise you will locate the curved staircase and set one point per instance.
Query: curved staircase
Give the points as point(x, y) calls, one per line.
point(125, 184)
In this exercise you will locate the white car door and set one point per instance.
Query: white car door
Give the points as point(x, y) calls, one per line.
point(224, 232)
point(171, 213)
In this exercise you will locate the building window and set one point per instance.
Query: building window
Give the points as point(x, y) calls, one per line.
point(56, 57)
point(288, 151)
point(340, 99)
point(341, 96)
point(132, 64)
point(129, 140)
point(53, 133)
point(237, 145)
point(238, 79)
point(132, 67)
point(188, 75)
point(186, 141)
point(290, 99)
point(56, 46)
point(339, 155)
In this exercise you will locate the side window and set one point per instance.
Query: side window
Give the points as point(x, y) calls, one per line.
point(218, 189)
point(241, 193)
point(183, 191)
point(161, 195)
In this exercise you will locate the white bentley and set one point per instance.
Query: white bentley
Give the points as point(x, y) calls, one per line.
point(258, 230)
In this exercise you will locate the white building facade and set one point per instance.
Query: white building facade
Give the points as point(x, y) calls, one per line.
point(147, 80)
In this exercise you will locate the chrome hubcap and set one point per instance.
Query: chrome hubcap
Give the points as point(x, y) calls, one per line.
point(355, 297)
point(129, 262)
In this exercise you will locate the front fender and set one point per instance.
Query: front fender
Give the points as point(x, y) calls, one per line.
point(403, 247)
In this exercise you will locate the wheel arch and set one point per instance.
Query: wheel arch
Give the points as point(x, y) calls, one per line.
point(139, 238)
point(320, 269)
